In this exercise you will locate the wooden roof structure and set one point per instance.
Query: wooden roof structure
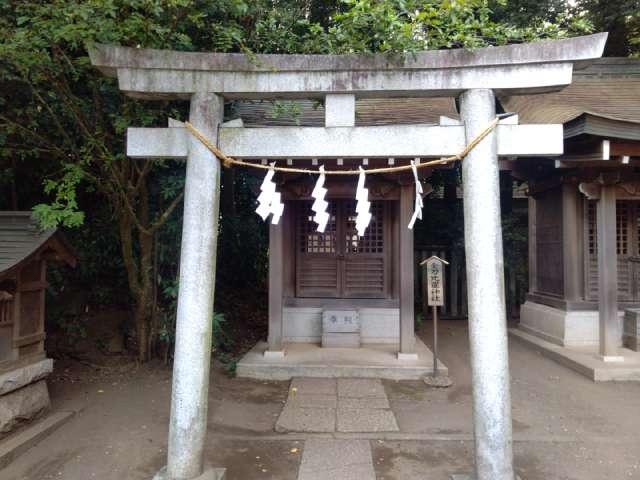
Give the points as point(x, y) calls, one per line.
point(21, 240)
point(589, 123)
point(610, 87)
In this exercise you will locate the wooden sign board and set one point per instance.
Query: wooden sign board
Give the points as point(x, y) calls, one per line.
point(435, 281)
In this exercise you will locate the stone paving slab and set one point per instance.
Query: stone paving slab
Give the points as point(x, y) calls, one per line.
point(328, 405)
point(311, 386)
point(330, 459)
point(300, 419)
point(468, 476)
point(353, 472)
point(312, 401)
point(361, 388)
point(363, 402)
point(366, 420)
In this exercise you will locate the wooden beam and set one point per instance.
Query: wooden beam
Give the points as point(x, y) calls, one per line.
point(629, 149)
point(533, 262)
point(572, 236)
point(608, 273)
point(407, 333)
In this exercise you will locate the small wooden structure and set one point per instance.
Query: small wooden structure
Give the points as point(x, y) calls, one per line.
point(338, 269)
point(25, 251)
point(584, 211)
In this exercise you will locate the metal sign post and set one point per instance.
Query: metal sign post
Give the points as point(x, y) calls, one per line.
point(435, 298)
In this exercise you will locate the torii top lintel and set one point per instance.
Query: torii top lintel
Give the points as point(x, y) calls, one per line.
point(513, 69)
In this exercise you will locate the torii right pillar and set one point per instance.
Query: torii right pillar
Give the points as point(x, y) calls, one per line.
point(486, 299)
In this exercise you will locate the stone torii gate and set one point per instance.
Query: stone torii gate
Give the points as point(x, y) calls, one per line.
point(475, 77)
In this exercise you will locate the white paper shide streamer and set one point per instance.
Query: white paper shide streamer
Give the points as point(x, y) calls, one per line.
point(269, 201)
point(363, 205)
point(417, 209)
point(320, 205)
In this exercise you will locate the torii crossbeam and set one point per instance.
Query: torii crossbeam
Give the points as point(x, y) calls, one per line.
point(474, 76)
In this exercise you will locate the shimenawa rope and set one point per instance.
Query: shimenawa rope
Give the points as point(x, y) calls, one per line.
point(228, 161)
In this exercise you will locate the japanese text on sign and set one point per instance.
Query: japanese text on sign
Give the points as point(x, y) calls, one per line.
point(435, 291)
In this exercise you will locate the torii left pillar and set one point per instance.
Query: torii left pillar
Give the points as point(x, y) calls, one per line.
point(190, 391)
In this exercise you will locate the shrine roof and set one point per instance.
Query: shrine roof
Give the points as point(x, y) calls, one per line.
point(590, 123)
point(21, 239)
point(610, 88)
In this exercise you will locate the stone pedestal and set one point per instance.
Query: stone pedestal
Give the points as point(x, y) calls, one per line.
point(209, 473)
point(340, 328)
point(631, 329)
point(22, 405)
point(23, 394)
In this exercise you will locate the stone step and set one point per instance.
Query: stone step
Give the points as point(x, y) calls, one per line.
point(20, 442)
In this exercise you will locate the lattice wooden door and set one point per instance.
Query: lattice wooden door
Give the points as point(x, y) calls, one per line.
point(627, 246)
point(338, 263)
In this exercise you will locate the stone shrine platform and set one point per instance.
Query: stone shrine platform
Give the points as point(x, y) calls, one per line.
point(312, 360)
point(585, 360)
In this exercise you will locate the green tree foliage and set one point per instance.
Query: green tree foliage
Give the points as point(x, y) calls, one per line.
point(621, 18)
point(62, 120)
point(526, 12)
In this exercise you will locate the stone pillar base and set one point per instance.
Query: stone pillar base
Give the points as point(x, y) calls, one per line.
point(274, 353)
point(210, 473)
point(23, 405)
point(573, 328)
point(611, 358)
point(407, 357)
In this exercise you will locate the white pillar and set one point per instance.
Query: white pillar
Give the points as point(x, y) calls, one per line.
point(608, 274)
point(485, 274)
point(189, 396)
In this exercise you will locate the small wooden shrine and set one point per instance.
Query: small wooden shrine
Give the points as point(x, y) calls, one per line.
point(584, 212)
point(25, 251)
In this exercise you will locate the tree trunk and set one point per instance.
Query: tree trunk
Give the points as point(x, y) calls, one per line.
point(139, 275)
point(145, 301)
point(143, 321)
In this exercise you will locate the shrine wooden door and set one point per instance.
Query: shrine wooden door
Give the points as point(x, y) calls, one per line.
point(338, 263)
point(627, 246)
